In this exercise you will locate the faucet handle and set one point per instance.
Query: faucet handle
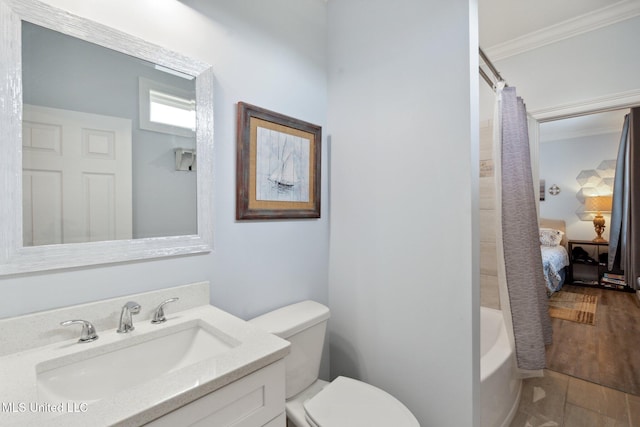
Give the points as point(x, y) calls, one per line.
point(158, 315)
point(88, 333)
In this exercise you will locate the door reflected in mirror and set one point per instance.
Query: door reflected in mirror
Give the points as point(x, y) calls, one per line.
point(99, 163)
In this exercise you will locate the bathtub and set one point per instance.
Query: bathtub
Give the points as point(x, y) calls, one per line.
point(499, 387)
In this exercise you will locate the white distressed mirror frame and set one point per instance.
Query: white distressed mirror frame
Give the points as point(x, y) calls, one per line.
point(14, 257)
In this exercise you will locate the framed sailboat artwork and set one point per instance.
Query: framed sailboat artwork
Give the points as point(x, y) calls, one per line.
point(278, 166)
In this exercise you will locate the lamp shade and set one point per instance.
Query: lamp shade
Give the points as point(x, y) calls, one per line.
point(598, 204)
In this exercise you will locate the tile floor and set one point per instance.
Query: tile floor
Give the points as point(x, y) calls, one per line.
point(558, 400)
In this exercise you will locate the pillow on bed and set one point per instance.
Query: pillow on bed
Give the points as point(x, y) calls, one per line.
point(550, 237)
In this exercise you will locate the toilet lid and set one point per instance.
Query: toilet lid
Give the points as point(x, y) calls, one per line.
point(360, 404)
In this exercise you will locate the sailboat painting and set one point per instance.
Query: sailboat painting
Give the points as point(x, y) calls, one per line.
point(278, 166)
point(282, 166)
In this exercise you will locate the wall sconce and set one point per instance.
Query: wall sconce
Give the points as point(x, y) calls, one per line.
point(598, 205)
point(185, 159)
point(554, 190)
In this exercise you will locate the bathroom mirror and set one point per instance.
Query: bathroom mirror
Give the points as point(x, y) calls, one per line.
point(68, 75)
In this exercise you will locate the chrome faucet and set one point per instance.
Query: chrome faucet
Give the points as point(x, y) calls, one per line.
point(88, 333)
point(126, 322)
point(158, 315)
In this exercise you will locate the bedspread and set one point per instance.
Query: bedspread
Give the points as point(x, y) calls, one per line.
point(554, 260)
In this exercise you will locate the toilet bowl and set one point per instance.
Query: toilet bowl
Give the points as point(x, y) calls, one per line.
point(312, 402)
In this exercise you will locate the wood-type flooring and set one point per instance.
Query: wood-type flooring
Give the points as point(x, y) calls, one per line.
point(607, 353)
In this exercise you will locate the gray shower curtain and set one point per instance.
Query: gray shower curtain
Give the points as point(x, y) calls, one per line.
point(624, 232)
point(520, 238)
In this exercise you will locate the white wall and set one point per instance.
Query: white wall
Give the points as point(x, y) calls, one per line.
point(270, 55)
point(560, 163)
point(403, 283)
point(595, 64)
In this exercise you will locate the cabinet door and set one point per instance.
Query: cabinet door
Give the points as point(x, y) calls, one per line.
point(279, 421)
point(252, 401)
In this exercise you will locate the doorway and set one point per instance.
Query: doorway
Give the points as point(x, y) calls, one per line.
point(573, 154)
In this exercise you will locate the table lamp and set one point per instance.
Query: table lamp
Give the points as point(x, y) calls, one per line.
point(598, 205)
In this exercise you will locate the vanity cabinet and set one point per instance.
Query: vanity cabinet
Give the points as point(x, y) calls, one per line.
point(256, 400)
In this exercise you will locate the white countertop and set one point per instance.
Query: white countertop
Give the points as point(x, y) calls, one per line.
point(20, 404)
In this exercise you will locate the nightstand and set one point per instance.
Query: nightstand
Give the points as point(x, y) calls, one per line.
point(588, 266)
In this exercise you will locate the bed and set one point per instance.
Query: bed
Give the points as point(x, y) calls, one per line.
point(555, 258)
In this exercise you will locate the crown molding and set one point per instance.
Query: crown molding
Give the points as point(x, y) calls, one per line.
point(616, 101)
point(563, 136)
point(603, 17)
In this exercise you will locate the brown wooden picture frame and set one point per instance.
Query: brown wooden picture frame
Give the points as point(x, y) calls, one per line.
point(278, 165)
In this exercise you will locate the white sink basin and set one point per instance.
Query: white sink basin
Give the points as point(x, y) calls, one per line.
point(101, 372)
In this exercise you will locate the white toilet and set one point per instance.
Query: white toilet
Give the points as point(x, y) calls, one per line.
point(315, 403)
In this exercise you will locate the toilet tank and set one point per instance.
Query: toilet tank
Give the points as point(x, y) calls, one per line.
point(303, 325)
